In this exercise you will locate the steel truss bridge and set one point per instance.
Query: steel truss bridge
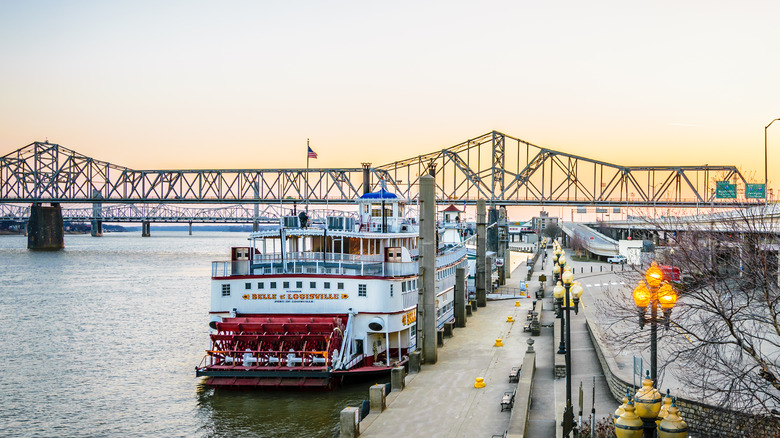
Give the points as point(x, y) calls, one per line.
point(169, 213)
point(501, 169)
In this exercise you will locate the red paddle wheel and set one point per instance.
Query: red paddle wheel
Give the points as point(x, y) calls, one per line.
point(273, 350)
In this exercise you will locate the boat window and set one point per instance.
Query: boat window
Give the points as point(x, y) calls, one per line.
point(340, 285)
point(261, 285)
point(248, 286)
point(326, 285)
point(393, 255)
point(225, 290)
point(286, 284)
point(361, 290)
point(273, 285)
point(313, 285)
point(299, 284)
point(391, 290)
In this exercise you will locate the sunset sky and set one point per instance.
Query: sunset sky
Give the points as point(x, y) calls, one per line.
point(228, 84)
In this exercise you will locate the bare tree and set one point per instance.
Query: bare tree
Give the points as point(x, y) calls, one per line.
point(552, 230)
point(725, 329)
point(578, 244)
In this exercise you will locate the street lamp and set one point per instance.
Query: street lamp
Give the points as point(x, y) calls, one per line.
point(558, 292)
point(654, 292)
point(766, 189)
point(572, 292)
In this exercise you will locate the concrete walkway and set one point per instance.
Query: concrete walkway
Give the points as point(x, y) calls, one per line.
point(441, 400)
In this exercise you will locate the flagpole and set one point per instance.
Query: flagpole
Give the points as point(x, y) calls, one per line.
point(307, 176)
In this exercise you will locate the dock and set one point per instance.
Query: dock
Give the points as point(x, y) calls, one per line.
point(442, 400)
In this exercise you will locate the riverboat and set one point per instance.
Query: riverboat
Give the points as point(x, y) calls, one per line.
point(308, 305)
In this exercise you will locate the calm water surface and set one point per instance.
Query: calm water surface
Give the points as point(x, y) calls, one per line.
point(102, 339)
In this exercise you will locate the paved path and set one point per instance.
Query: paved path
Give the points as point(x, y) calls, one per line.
point(441, 400)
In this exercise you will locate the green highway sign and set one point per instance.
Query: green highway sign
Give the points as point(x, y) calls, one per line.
point(755, 191)
point(725, 190)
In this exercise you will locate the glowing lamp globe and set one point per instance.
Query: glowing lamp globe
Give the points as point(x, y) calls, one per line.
point(667, 297)
point(654, 275)
point(641, 295)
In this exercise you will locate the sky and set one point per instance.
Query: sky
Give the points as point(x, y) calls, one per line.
point(233, 84)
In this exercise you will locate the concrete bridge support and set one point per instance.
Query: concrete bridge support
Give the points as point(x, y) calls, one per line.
point(97, 228)
point(428, 267)
point(45, 229)
point(146, 229)
point(502, 245)
point(190, 228)
point(97, 212)
point(481, 274)
point(460, 297)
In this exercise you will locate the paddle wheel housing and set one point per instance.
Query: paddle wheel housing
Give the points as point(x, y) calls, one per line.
point(275, 350)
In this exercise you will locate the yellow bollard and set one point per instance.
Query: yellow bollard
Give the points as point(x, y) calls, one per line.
point(499, 343)
point(517, 303)
point(509, 319)
point(479, 382)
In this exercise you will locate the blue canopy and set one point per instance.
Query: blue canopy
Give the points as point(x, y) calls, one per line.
point(381, 194)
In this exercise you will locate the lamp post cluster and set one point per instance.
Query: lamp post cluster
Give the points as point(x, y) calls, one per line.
point(644, 414)
point(565, 294)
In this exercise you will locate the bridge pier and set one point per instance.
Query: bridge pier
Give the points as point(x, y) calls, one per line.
point(481, 274)
point(504, 245)
point(45, 229)
point(97, 213)
point(190, 228)
point(146, 229)
point(428, 269)
point(97, 229)
point(460, 297)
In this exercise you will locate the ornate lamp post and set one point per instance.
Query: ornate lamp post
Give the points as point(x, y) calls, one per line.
point(572, 292)
point(558, 292)
point(652, 292)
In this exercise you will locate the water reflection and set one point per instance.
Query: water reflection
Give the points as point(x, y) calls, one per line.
point(276, 413)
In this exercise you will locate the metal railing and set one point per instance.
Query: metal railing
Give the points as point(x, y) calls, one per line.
point(331, 264)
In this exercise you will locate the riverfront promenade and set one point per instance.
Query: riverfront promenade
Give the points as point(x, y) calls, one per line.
point(441, 400)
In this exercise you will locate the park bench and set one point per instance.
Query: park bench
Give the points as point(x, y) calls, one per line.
point(507, 400)
point(514, 375)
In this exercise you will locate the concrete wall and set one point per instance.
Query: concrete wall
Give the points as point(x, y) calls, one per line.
point(701, 418)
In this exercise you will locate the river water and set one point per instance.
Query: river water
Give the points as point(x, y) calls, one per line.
point(102, 339)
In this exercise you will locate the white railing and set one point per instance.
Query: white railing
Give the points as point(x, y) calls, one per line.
point(309, 255)
point(314, 266)
point(410, 298)
point(334, 264)
point(451, 257)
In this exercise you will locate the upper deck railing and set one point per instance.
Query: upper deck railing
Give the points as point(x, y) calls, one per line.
point(330, 264)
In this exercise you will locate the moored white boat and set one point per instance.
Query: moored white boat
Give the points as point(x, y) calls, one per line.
point(305, 306)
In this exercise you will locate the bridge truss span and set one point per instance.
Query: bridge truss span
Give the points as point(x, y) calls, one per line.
point(496, 167)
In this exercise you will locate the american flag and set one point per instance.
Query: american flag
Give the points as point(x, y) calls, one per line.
point(312, 154)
